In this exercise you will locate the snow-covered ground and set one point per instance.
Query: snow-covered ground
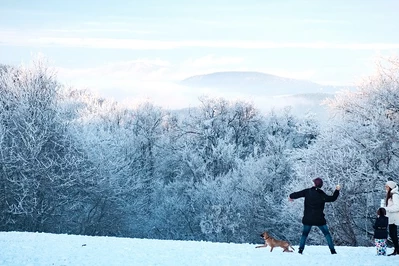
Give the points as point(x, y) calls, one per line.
point(36, 249)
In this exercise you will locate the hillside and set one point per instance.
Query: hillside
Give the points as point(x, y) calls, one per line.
point(267, 91)
point(256, 83)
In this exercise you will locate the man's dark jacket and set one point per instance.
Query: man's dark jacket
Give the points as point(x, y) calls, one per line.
point(315, 198)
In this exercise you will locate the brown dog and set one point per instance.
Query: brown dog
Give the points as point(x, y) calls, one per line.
point(270, 241)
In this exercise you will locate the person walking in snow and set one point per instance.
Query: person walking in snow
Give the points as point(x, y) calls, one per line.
point(315, 199)
point(381, 232)
point(392, 210)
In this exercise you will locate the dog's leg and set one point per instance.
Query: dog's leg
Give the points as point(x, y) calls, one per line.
point(271, 248)
point(286, 248)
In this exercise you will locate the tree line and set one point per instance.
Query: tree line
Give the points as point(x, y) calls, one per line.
point(71, 162)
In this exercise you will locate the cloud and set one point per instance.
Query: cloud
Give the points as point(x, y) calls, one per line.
point(136, 44)
point(97, 30)
point(16, 38)
point(321, 21)
point(152, 69)
point(168, 95)
point(132, 82)
point(306, 74)
point(212, 60)
point(140, 69)
point(141, 80)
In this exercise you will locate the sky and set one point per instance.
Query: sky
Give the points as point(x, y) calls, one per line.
point(142, 49)
point(40, 249)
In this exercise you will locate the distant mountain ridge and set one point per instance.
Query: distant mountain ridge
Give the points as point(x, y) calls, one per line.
point(268, 91)
point(256, 83)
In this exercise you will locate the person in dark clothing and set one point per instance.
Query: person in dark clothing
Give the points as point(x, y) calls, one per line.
point(381, 232)
point(313, 214)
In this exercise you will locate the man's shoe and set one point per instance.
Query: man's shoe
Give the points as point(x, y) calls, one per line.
point(300, 251)
point(333, 251)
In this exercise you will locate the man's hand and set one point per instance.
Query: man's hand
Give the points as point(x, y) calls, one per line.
point(289, 199)
point(338, 187)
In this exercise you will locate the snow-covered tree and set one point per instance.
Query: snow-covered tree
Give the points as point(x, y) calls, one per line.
point(39, 161)
point(75, 162)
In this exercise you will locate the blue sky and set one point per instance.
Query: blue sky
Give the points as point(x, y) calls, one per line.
point(139, 49)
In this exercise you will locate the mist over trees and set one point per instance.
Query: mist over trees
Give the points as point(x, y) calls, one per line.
point(71, 162)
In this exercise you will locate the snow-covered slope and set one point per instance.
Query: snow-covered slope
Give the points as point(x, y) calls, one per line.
point(37, 249)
